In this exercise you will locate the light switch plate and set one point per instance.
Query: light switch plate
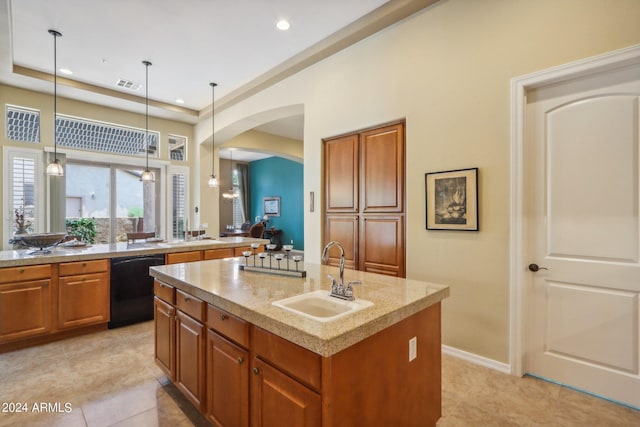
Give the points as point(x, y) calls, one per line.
point(413, 348)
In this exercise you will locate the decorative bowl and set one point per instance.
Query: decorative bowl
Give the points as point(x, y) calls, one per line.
point(40, 240)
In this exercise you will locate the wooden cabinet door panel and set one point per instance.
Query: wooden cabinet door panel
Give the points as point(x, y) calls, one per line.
point(382, 169)
point(179, 257)
point(382, 244)
point(227, 382)
point(83, 300)
point(344, 229)
point(341, 174)
point(217, 253)
point(280, 401)
point(25, 309)
point(190, 358)
point(165, 337)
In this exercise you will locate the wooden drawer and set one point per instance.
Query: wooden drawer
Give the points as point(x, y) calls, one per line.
point(83, 267)
point(164, 292)
point(238, 251)
point(218, 253)
point(178, 257)
point(20, 274)
point(296, 361)
point(190, 305)
point(228, 325)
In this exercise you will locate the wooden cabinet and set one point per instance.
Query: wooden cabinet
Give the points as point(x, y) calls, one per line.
point(26, 302)
point(179, 257)
point(83, 293)
point(364, 180)
point(277, 400)
point(217, 253)
point(190, 358)
point(227, 382)
point(165, 336)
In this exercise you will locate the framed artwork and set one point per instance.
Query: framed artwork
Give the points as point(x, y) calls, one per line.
point(271, 206)
point(452, 200)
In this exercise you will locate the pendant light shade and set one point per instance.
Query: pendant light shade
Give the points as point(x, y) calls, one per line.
point(213, 181)
point(54, 168)
point(147, 175)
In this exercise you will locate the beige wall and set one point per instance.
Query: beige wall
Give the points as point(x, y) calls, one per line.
point(44, 103)
point(447, 70)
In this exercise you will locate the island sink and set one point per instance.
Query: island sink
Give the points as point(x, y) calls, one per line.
point(320, 306)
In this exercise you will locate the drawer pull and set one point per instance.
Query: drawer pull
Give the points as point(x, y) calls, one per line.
point(84, 264)
point(240, 360)
point(187, 299)
point(256, 371)
point(223, 317)
point(162, 285)
point(21, 271)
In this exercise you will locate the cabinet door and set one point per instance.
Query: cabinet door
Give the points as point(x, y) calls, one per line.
point(179, 257)
point(227, 382)
point(344, 229)
point(25, 309)
point(277, 400)
point(341, 174)
point(83, 300)
point(217, 253)
point(382, 166)
point(382, 244)
point(190, 358)
point(165, 337)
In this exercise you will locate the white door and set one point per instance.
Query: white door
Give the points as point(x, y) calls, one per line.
point(582, 203)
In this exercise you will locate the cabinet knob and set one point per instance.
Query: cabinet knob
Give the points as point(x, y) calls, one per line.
point(21, 271)
point(187, 299)
point(84, 264)
point(223, 317)
point(256, 371)
point(240, 360)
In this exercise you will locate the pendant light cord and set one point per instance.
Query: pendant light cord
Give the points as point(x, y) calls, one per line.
point(55, 35)
point(146, 114)
point(213, 129)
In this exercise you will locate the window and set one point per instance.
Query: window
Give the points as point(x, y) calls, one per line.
point(23, 124)
point(178, 198)
point(238, 214)
point(114, 197)
point(177, 147)
point(22, 190)
point(83, 134)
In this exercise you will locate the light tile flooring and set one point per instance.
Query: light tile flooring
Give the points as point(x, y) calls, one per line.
point(109, 379)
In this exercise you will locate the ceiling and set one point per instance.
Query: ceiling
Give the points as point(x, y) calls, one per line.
point(189, 42)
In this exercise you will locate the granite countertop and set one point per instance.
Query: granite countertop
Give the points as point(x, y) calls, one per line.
point(249, 295)
point(22, 257)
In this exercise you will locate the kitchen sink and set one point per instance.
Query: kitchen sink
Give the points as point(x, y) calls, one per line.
point(318, 305)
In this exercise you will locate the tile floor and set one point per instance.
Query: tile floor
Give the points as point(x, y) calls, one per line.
point(109, 379)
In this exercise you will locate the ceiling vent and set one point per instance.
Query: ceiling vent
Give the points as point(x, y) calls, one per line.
point(128, 84)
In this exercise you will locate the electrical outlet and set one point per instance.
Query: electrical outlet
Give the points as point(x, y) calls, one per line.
point(413, 348)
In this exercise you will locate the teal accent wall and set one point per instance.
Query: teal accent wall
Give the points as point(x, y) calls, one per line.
point(276, 176)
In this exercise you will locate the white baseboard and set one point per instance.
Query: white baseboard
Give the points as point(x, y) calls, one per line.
point(478, 360)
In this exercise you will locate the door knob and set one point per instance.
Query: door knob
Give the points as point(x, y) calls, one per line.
point(535, 267)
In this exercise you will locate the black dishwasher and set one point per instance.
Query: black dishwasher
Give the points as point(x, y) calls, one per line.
point(132, 289)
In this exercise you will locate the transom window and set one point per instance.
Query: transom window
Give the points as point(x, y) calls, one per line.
point(23, 124)
point(83, 134)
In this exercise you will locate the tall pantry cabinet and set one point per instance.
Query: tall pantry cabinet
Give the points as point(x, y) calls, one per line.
point(364, 192)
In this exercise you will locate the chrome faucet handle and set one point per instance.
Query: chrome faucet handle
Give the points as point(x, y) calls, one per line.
point(348, 290)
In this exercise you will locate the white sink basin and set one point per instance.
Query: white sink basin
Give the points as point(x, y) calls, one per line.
point(318, 305)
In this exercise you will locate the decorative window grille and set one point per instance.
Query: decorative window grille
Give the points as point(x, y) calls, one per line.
point(177, 147)
point(23, 124)
point(178, 211)
point(23, 191)
point(89, 135)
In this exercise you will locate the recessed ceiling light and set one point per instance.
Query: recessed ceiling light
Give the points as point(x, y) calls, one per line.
point(66, 71)
point(283, 25)
point(180, 101)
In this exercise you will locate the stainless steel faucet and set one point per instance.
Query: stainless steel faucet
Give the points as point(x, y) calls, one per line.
point(338, 289)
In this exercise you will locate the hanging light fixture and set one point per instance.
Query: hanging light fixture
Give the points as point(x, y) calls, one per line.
point(54, 168)
point(231, 193)
point(213, 181)
point(147, 175)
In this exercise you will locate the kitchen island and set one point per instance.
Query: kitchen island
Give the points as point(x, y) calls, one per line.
point(67, 292)
point(243, 361)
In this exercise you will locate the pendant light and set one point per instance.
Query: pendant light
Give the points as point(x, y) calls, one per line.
point(213, 181)
point(54, 168)
point(147, 175)
point(231, 193)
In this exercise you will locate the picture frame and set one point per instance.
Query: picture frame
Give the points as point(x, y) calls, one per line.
point(271, 206)
point(452, 200)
